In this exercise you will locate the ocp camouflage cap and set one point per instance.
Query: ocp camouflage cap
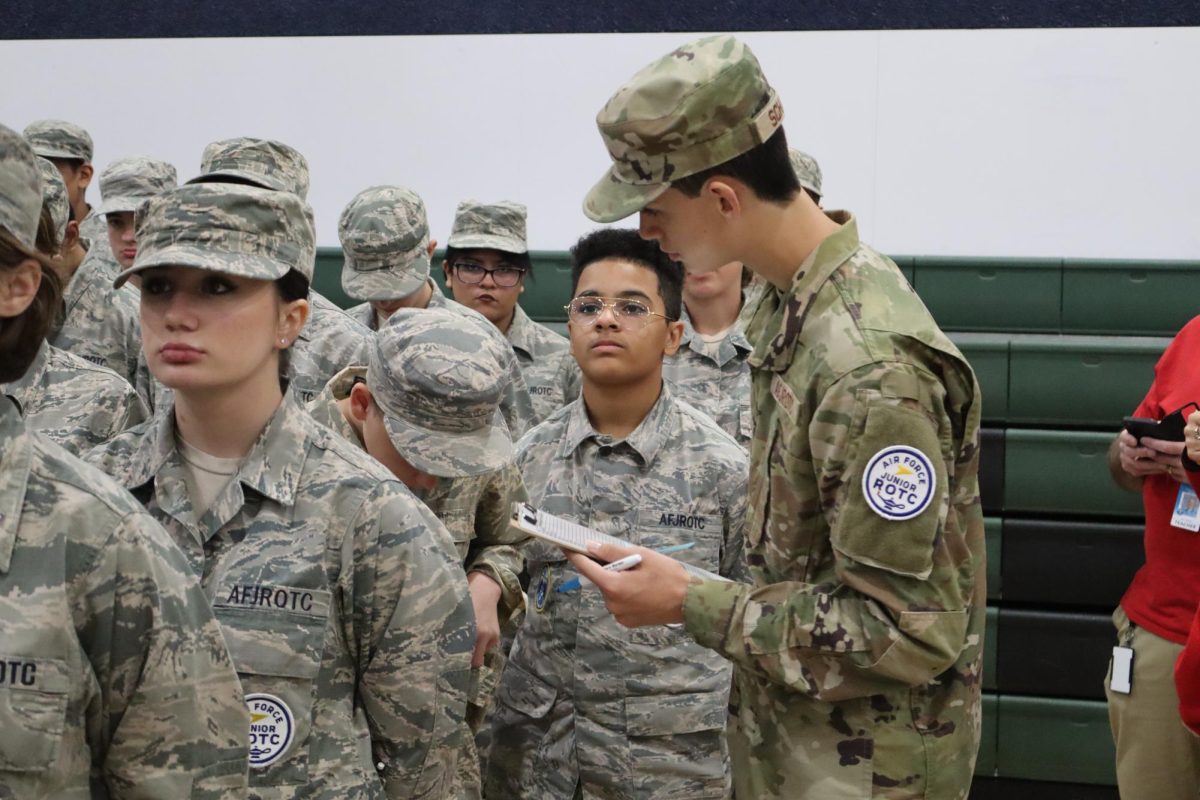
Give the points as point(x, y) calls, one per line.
point(54, 196)
point(385, 239)
point(128, 182)
point(56, 138)
point(261, 162)
point(438, 381)
point(489, 226)
point(20, 188)
point(694, 108)
point(239, 230)
point(808, 171)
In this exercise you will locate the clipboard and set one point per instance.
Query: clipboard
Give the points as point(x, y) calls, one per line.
point(574, 537)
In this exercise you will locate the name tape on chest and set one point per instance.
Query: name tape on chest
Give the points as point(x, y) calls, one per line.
point(784, 395)
point(18, 672)
point(898, 482)
point(247, 595)
point(272, 729)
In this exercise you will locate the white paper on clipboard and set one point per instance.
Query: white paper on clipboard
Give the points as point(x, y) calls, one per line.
point(573, 536)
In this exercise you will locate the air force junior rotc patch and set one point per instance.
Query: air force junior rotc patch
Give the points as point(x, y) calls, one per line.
point(272, 729)
point(898, 482)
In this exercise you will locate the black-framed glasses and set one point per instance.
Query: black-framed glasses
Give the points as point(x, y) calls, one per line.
point(505, 275)
point(630, 313)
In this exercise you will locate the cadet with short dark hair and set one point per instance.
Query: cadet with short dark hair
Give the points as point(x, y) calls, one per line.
point(585, 707)
point(858, 648)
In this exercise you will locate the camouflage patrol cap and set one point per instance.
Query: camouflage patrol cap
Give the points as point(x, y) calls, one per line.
point(128, 182)
point(20, 188)
point(489, 226)
point(694, 108)
point(385, 238)
point(239, 230)
point(808, 171)
point(56, 138)
point(261, 162)
point(439, 382)
point(54, 196)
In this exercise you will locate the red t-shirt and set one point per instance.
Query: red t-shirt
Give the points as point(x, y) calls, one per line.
point(1165, 592)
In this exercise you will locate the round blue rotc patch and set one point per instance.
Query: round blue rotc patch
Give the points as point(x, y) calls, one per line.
point(542, 591)
point(272, 728)
point(898, 482)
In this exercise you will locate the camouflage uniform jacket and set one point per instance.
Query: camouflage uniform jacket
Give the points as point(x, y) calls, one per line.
point(516, 405)
point(343, 607)
point(475, 509)
point(859, 644)
point(116, 683)
point(715, 378)
point(73, 402)
point(549, 369)
point(622, 713)
point(100, 323)
point(329, 342)
point(364, 314)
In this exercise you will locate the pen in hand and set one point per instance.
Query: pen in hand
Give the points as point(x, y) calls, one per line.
point(620, 565)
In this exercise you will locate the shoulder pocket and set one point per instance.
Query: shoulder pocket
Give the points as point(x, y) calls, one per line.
point(33, 710)
point(276, 640)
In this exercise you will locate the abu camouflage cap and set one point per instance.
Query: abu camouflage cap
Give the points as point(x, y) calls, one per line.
point(438, 381)
point(128, 182)
point(54, 196)
point(239, 230)
point(20, 188)
point(261, 162)
point(56, 138)
point(489, 226)
point(385, 239)
point(808, 171)
point(694, 108)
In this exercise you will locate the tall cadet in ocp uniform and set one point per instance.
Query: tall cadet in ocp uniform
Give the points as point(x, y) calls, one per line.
point(859, 645)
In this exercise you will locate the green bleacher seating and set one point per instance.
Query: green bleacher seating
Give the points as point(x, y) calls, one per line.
point(1125, 298)
point(1053, 739)
point(992, 294)
point(1062, 472)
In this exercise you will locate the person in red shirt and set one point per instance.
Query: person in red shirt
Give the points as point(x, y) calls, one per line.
point(1157, 758)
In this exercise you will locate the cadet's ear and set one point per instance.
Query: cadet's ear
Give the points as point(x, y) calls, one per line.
point(432, 247)
point(360, 402)
point(18, 287)
point(70, 235)
point(85, 175)
point(674, 337)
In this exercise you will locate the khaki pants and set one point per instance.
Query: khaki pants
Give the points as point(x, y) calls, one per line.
point(1157, 757)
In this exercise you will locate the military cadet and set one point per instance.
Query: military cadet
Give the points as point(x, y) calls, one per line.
point(330, 341)
point(339, 595)
point(114, 680)
point(380, 225)
point(858, 646)
point(387, 250)
point(487, 263)
point(73, 402)
point(585, 707)
point(427, 408)
point(711, 368)
point(70, 148)
point(124, 185)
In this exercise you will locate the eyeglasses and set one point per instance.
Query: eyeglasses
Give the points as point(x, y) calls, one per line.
point(504, 275)
point(630, 313)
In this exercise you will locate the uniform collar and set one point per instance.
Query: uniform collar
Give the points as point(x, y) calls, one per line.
point(645, 440)
point(16, 462)
point(776, 323)
point(272, 467)
point(521, 332)
point(731, 346)
point(20, 389)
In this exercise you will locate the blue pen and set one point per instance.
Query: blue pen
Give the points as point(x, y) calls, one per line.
point(574, 583)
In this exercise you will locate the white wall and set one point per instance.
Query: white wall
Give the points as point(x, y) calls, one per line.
point(1049, 142)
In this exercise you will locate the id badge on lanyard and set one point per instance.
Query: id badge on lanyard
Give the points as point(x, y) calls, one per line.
point(1187, 509)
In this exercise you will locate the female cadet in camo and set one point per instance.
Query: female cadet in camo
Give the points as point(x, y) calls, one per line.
point(340, 596)
point(113, 679)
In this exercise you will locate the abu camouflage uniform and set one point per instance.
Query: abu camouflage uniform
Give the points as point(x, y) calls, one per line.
point(114, 681)
point(859, 646)
point(714, 377)
point(384, 233)
point(73, 402)
point(59, 139)
point(550, 371)
point(54, 197)
point(124, 184)
point(329, 342)
point(342, 604)
point(588, 708)
point(117, 681)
